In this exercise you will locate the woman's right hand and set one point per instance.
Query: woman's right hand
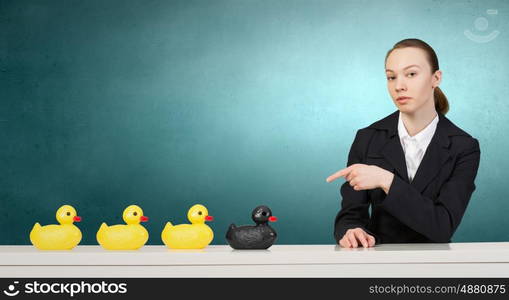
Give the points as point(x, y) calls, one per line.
point(356, 237)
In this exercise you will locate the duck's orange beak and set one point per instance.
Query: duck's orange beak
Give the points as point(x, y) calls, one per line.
point(76, 219)
point(272, 219)
point(143, 219)
point(209, 218)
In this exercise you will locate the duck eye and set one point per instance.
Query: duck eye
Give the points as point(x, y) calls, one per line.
point(200, 213)
point(68, 213)
point(135, 213)
point(264, 214)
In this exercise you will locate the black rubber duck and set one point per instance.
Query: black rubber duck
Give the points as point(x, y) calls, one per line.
point(260, 236)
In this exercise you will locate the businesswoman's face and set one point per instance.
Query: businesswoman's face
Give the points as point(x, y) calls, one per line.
point(409, 75)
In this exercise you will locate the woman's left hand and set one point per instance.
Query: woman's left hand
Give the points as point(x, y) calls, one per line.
point(365, 177)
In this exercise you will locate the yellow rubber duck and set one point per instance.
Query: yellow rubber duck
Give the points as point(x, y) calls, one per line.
point(197, 235)
point(58, 237)
point(124, 237)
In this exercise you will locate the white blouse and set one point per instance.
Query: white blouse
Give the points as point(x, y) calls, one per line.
point(415, 146)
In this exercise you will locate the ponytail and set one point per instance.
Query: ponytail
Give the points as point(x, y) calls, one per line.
point(441, 103)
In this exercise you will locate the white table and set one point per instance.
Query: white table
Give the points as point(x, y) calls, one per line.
point(386, 260)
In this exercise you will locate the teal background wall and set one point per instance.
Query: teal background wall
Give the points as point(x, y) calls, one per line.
point(230, 104)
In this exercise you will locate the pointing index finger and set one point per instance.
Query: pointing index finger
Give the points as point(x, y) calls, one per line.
point(338, 174)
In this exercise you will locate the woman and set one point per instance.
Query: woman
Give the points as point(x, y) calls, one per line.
point(414, 167)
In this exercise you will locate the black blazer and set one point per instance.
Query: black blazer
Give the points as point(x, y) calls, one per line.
point(427, 210)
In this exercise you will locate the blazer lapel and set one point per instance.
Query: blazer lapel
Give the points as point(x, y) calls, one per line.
point(435, 156)
point(393, 153)
point(391, 149)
